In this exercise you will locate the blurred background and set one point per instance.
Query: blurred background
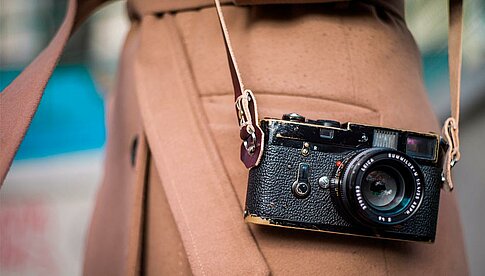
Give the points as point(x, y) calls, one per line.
point(48, 197)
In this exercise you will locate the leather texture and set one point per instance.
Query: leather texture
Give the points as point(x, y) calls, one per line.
point(270, 196)
point(317, 59)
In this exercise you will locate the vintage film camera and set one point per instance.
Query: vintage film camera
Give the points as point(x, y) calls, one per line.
point(347, 178)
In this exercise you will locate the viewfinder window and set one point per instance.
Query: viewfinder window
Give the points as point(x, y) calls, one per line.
point(421, 147)
point(326, 133)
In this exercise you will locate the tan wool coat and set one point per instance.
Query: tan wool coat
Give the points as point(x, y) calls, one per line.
point(173, 193)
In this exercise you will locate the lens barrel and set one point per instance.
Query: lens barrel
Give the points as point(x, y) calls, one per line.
point(378, 187)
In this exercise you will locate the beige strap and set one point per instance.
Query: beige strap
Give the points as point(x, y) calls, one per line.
point(450, 127)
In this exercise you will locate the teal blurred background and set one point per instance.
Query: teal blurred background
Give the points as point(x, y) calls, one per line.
point(70, 117)
point(59, 165)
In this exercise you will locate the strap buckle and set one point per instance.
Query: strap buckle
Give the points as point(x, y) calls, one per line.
point(451, 135)
point(250, 143)
point(242, 106)
point(247, 130)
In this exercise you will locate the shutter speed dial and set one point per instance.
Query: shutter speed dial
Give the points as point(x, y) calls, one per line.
point(294, 117)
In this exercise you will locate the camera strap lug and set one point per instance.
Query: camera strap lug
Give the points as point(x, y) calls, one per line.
point(452, 156)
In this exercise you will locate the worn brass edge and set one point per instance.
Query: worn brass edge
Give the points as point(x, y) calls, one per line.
point(248, 218)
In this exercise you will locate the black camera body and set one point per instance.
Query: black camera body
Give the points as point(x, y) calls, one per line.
point(347, 178)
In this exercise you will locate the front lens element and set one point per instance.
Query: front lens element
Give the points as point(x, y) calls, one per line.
point(383, 188)
point(378, 187)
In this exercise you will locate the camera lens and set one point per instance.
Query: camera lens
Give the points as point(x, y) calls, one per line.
point(378, 187)
point(383, 188)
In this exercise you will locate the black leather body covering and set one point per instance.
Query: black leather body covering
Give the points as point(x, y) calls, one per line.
point(270, 197)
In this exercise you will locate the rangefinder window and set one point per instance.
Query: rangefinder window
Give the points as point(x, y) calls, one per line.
point(421, 147)
point(385, 139)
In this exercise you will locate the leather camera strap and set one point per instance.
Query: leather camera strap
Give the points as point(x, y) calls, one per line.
point(246, 106)
point(247, 112)
point(450, 127)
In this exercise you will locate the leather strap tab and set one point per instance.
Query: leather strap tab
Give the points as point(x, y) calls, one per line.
point(246, 106)
point(450, 127)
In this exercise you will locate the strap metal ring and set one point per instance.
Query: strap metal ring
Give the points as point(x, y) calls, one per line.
point(250, 144)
